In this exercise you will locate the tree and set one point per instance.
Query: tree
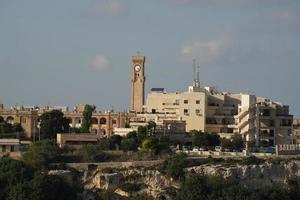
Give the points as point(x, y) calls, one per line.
point(150, 145)
point(20, 182)
point(50, 187)
point(115, 141)
point(5, 127)
point(92, 153)
point(237, 141)
point(17, 127)
point(194, 187)
point(128, 144)
point(141, 134)
point(151, 126)
point(174, 165)
point(203, 139)
point(41, 154)
point(12, 174)
point(226, 143)
point(53, 122)
point(87, 118)
point(104, 144)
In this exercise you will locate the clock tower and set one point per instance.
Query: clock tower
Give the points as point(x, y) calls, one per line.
point(137, 83)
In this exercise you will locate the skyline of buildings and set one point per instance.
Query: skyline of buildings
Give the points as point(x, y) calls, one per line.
point(261, 121)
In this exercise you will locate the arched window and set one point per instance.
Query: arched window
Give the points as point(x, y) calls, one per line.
point(103, 131)
point(102, 120)
point(10, 120)
point(94, 120)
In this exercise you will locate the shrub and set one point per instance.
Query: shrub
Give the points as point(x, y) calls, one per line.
point(174, 166)
point(252, 160)
point(41, 154)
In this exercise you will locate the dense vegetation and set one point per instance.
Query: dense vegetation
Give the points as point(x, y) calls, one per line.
point(53, 122)
point(197, 186)
point(8, 130)
point(203, 139)
point(18, 181)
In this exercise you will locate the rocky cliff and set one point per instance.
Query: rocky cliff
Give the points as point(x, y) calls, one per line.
point(154, 182)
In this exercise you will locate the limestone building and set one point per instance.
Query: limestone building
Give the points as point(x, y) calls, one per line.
point(137, 84)
point(103, 123)
point(296, 131)
point(260, 121)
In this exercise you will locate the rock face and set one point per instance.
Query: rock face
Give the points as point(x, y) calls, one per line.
point(265, 173)
point(151, 181)
point(104, 181)
point(155, 183)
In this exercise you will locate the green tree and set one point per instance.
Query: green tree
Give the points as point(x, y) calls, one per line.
point(104, 144)
point(150, 145)
point(141, 134)
point(53, 122)
point(18, 182)
point(237, 141)
point(203, 139)
point(12, 174)
point(115, 141)
point(174, 165)
point(17, 127)
point(226, 143)
point(128, 144)
point(45, 187)
point(92, 153)
point(41, 154)
point(5, 127)
point(151, 127)
point(194, 187)
point(87, 118)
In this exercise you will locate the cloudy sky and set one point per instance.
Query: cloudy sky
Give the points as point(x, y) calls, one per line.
point(64, 52)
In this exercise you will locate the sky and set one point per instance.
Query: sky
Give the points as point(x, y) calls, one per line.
point(65, 52)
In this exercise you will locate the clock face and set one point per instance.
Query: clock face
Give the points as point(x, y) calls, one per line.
point(137, 68)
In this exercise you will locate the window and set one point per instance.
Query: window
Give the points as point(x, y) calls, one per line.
point(153, 111)
point(12, 148)
point(114, 121)
point(271, 133)
point(102, 120)
point(186, 111)
point(185, 101)
point(177, 102)
point(197, 101)
point(197, 111)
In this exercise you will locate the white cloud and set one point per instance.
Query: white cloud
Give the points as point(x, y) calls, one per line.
point(100, 62)
point(204, 52)
point(109, 8)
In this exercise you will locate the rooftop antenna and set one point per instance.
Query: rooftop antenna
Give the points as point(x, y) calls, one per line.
point(198, 73)
point(194, 69)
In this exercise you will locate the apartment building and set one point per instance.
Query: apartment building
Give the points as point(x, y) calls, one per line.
point(261, 122)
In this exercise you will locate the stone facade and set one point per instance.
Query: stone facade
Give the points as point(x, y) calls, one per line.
point(296, 131)
point(103, 123)
point(137, 84)
point(261, 122)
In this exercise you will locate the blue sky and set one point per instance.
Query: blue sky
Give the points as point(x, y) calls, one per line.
point(64, 52)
